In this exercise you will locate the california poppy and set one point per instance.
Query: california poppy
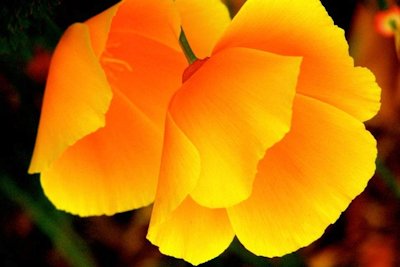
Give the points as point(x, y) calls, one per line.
point(263, 140)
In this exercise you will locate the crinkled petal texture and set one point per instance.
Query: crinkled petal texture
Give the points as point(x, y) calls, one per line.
point(221, 121)
point(97, 155)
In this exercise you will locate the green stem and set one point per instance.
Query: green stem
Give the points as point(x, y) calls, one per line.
point(187, 50)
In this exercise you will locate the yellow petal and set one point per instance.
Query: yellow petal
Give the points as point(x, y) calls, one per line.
point(306, 180)
point(76, 98)
point(203, 23)
point(157, 20)
point(112, 170)
point(99, 27)
point(238, 104)
point(193, 233)
point(179, 172)
point(303, 28)
point(352, 89)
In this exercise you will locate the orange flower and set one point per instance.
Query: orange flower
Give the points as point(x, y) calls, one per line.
point(387, 22)
point(264, 139)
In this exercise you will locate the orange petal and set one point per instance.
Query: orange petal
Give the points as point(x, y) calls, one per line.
point(306, 180)
point(157, 20)
point(203, 23)
point(112, 170)
point(193, 233)
point(77, 97)
point(99, 27)
point(238, 104)
point(146, 71)
point(303, 28)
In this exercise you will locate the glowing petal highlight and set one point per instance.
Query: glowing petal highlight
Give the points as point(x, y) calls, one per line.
point(306, 180)
point(237, 105)
point(69, 111)
point(193, 233)
point(303, 28)
point(112, 170)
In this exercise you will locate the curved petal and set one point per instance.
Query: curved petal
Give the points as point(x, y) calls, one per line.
point(306, 180)
point(99, 27)
point(203, 23)
point(352, 89)
point(144, 70)
point(193, 233)
point(112, 170)
point(179, 172)
point(238, 104)
point(76, 84)
point(303, 28)
point(157, 20)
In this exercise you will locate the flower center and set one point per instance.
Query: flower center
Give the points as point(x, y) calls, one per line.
point(192, 68)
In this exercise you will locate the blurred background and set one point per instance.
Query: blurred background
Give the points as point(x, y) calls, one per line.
point(34, 233)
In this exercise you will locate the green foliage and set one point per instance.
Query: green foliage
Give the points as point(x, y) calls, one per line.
point(55, 224)
point(26, 24)
point(388, 177)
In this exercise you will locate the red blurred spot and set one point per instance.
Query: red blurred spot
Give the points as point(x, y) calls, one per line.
point(387, 22)
point(38, 67)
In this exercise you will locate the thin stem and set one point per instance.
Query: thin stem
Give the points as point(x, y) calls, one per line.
point(187, 50)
